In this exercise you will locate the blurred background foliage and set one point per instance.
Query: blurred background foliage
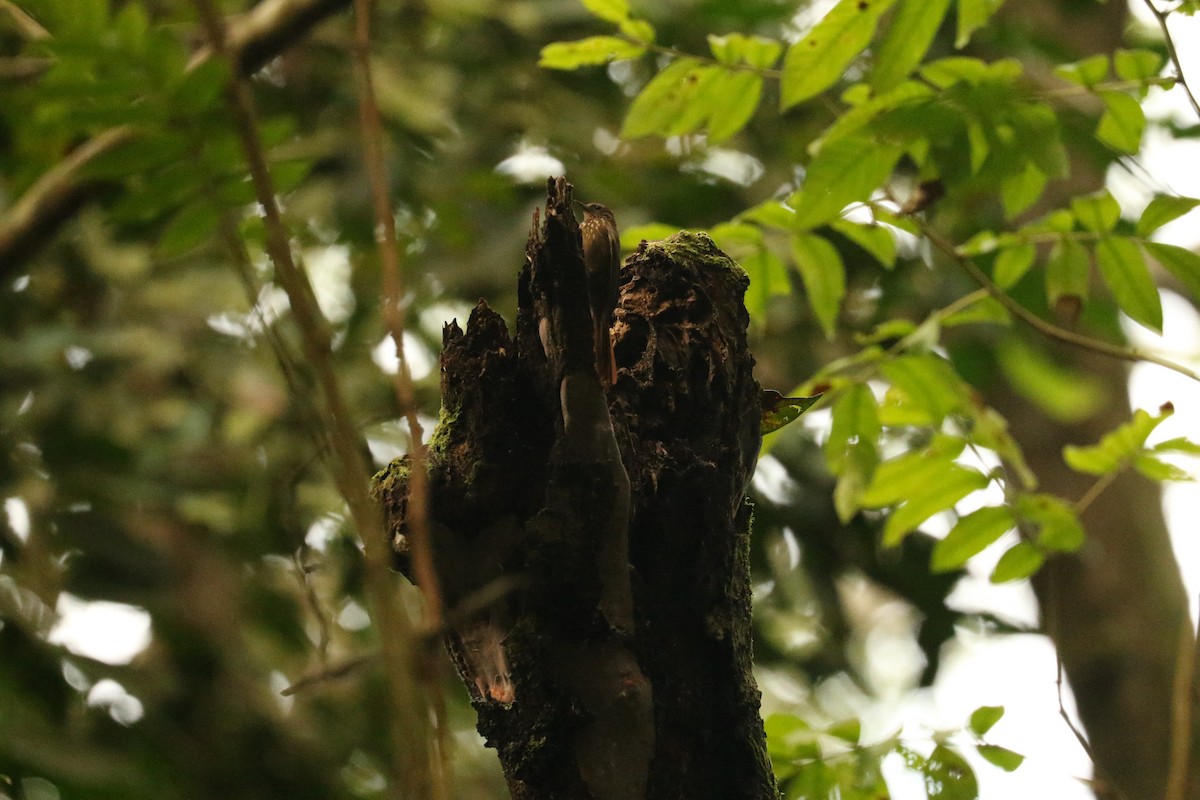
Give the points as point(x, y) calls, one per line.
point(154, 456)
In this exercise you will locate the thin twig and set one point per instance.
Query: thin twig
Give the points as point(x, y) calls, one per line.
point(1181, 712)
point(28, 27)
point(1161, 16)
point(1097, 489)
point(409, 766)
point(1043, 327)
point(417, 510)
point(417, 516)
point(329, 673)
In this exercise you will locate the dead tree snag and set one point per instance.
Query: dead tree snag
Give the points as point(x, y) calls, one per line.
point(620, 666)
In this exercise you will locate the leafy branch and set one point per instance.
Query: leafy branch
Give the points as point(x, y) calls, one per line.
point(54, 198)
point(1172, 52)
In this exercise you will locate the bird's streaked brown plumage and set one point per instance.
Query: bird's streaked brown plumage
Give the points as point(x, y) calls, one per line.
point(601, 259)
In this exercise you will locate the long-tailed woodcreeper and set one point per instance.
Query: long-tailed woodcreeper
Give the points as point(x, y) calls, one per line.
point(601, 259)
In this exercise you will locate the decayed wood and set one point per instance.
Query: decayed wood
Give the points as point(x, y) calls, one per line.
point(620, 667)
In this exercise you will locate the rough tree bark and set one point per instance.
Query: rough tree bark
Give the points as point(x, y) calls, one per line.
point(620, 665)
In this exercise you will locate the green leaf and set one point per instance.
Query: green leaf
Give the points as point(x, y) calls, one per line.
point(1115, 447)
point(651, 232)
point(201, 87)
point(639, 30)
point(1020, 190)
point(824, 275)
point(1065, 394)
point(666, 99)
point(899, 478)
point(1162, 209)
point(608, 10)
point(737, 94)
point(1088, 72)
point(973, 15)
point(768, 278)
point(945, 72)
point(736, 49)
point(984, 717)
point(1123, 122)
point(190, 226)
point(877, 240)
point(1124, 269)
point(955, 483)
point(986, 310)
point(1137, 65)
point(1002, 757)
point(1158, 470)
point(907, 40)
point(1013, 263)
point(970, 536)
point(855, 420)
point(1097, 212)
point(588, 52)
point(778, 410)
point(817, 61)
point(948, 776)
point(1021, 561)
point(1067, 271)
point(1184, 264)
point(844, 171)
point(1058, 526)
point(1177, 445)
point(929, 381)
point(848, 731)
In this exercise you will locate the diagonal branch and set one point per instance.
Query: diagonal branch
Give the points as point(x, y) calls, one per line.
point(254, 38)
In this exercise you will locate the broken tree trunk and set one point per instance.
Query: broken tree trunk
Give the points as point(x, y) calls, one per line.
point(592, 547)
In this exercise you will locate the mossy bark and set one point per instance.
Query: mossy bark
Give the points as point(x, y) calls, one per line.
point(619, 517)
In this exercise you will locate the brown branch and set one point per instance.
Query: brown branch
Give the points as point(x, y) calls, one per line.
point(410, 762)
point(417, 518)
point(1161, 17)
point(1047, 329)
point(394, 315)
point(254, 38)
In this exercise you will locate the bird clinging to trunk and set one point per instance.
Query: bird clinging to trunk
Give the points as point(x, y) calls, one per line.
point(601, 259)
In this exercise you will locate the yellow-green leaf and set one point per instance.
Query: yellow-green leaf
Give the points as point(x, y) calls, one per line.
point(1067, 270)
point(984, 717)
point(588, 52)
point(1184, 264)
point(817, 61)
point(1002, 757)
point(1013, 263)
point(1115, 447)
point(928, 380)
point(899, 478)
point(970, 536)
point(877, 240)
point(824, 277)
point(1058, 526)
point(844, 171)
point(737, 95)
point(973, 15)
point(1163, 209)
point(1097, 212)
point(1122, 123)
point(907, 40)
point(1124, 270)
point(665, 99)
point(608, 10)
point(955, 483)
point(1021, 561)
